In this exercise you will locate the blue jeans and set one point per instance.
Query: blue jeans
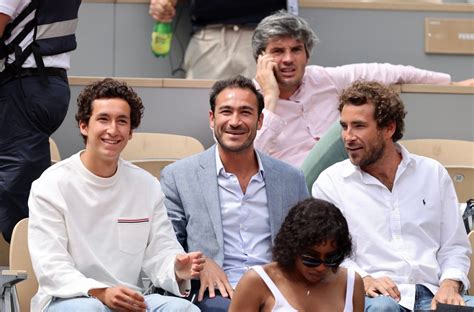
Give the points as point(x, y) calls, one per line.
point(423, 299)
point(154, 302)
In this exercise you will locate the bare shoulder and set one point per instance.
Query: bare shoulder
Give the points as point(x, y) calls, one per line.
point(341, 276)
point(358, 282)
point(252, 278)
point(251, 284)
point(358, 296)
point(250, 294)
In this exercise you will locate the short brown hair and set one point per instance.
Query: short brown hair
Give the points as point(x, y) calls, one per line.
point(388, 104)
point(108, 88)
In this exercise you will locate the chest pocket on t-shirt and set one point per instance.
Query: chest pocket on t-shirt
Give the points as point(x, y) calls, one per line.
point(133, 234)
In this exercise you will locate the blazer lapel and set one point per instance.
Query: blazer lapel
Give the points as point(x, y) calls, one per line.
point(274, 189)
point(207, 178)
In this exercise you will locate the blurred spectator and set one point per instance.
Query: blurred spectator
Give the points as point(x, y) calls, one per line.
point(220, 45)
point(34, 94)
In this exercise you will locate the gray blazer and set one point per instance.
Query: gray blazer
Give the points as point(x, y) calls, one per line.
point(192, 199)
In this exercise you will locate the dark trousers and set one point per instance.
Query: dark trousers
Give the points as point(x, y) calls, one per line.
point(30, 111)
point(216, 304)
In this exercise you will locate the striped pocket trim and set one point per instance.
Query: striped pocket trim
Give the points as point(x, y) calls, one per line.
point(142, 220)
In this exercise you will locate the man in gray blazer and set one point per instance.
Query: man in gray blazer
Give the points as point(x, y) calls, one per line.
point(230, 200)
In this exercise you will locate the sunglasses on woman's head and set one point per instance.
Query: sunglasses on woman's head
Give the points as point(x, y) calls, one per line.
point(331, 262)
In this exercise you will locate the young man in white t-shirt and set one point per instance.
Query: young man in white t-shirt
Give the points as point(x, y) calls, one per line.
point(97, 221)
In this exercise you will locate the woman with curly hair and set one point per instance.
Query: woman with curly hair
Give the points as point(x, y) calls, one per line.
point(305, 275)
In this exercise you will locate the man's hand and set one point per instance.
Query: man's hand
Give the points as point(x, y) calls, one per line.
point(213, 276)
point(381, 286)
point(448, 293)
point(465, 83)
point(266, 79)
point(188, 266)
point(120, 298)
point(163, 10)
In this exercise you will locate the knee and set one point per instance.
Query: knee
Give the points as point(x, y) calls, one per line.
point(216, 304)
point(95, 305)
point(157, 302)
point(182, 305)
point(80, 304)
point(381, 304)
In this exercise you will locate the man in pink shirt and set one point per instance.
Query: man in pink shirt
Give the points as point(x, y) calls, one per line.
point(300, 100)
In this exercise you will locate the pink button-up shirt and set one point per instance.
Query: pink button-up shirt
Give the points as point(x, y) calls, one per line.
point(297, 124)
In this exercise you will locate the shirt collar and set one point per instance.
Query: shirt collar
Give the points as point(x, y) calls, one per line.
point(407, 161)
point(407, 157)
point(220, 170)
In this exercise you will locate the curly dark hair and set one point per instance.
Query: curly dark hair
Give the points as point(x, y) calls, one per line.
point(108, 88)
point(310, 223)
point(388, 104)
point(239, 82)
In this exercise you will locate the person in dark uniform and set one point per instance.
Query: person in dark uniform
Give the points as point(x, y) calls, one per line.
point(36, 38)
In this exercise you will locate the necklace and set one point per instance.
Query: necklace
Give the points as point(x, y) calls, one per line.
point(308, 289)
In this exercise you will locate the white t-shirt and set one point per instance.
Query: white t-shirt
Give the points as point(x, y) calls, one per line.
point(91, 232)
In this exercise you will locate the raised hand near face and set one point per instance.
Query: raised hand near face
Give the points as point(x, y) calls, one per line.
point(266, 79)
